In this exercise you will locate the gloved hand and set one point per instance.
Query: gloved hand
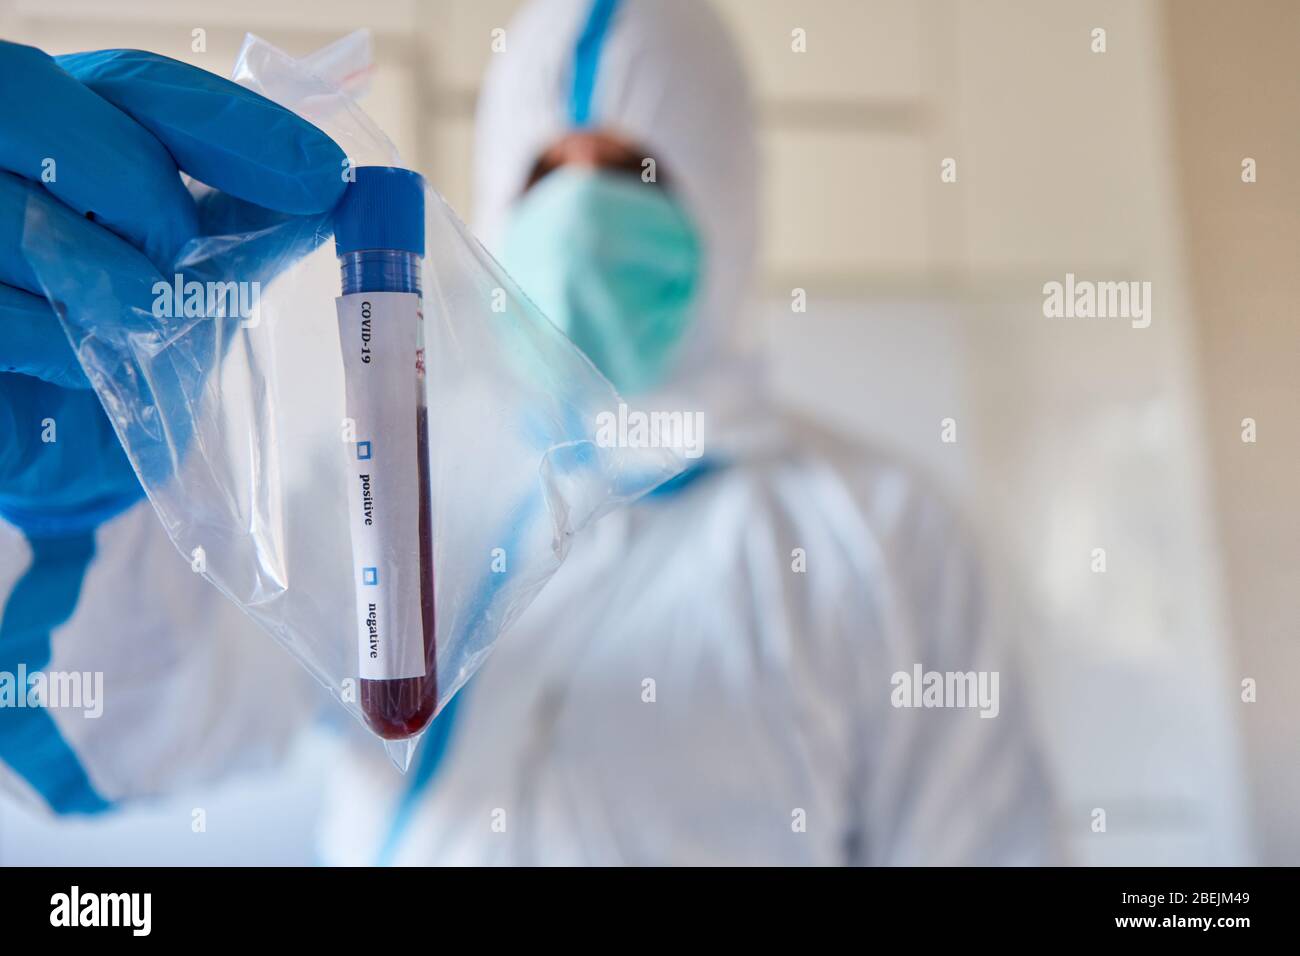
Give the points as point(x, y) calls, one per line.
point(91, 149)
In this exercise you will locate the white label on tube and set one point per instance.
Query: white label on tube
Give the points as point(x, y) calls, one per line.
point(379, 332)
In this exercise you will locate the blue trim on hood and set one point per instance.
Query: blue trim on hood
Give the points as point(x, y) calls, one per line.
point(586, 58)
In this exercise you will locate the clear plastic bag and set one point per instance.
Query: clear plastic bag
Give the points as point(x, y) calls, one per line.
point(236, 420)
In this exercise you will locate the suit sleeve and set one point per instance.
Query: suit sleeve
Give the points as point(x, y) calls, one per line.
point(964, 782)
point(125, 675)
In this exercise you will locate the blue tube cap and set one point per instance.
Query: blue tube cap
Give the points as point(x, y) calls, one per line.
point(383, 208)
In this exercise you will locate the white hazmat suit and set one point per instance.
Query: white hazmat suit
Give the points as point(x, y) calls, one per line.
point(707, 679)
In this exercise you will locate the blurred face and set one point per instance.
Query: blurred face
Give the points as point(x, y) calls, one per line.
point(613, 260)
point(588, 150)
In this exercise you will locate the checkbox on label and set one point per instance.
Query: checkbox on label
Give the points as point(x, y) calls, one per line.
point(363, 451)
point(370, 576)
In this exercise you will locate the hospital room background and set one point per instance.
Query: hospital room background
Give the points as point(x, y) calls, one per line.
point(928, 167)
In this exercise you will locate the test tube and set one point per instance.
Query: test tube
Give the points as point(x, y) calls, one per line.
point(379, 240)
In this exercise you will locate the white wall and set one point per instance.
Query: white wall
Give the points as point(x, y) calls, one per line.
point(1237, 94)
point(925, 302)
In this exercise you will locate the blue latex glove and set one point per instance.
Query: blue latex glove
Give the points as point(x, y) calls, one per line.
point(119, 126)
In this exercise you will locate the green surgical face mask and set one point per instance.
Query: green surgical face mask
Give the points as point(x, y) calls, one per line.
point(611, 260)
